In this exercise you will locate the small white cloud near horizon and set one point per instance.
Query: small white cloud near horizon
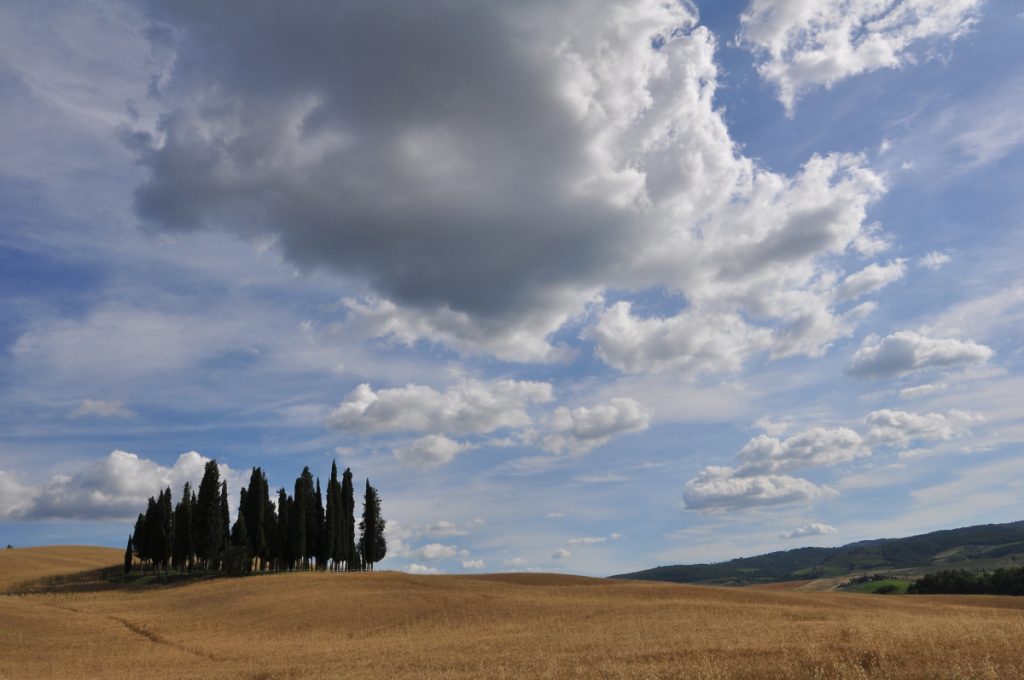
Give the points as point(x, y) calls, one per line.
point(561, 554)
point(421, 569)
point(102, 409)
point(473, 564)
point(812, 529)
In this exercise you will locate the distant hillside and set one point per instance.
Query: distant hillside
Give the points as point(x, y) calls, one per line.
point(980, 546)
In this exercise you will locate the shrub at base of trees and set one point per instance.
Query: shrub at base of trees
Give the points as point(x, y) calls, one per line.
point(296, 533)
point(962, 582)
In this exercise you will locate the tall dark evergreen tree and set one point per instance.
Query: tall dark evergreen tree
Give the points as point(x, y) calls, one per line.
point(165, 519)
point(253, 506)
point(225, 516)
point(348, 522)
point(297, 524)
point(151, 545)
point(322, 552)
point(240, 533)
point(139, 540)
point(271, 531)
point(284, 525)
point(209, 529)
point(128, 554)
point(332, 519)
point(184, 549)
point(371, 528)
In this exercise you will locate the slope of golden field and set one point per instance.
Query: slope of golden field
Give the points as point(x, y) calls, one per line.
point(392, 625)
point(24, 565)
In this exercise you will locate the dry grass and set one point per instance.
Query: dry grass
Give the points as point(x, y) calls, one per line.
point(506, 625)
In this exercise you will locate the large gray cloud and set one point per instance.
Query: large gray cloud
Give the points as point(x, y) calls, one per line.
point(487, 169)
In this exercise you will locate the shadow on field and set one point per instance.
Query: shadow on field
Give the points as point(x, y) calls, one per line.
point(105, 579)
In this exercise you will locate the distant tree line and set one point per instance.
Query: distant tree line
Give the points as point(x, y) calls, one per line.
point(298, 532)
point(1008, 581)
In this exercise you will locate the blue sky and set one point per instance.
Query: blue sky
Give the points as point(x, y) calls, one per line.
point(580, 287)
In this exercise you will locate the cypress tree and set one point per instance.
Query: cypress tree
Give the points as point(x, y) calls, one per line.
point(372, 542)
point(139, 539)
point(297, 524)
point(322, 552)
point(151, 546)
point(271, 531)
point(225, 516)
point(332, 518)
point(240, 534)
point(166, 523)
point(253, 506)
point(128, 556)
point(348, 522)
point(284, 526)
point(209, 530)
point(181, 555)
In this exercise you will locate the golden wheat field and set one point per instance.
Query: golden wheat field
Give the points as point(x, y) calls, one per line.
point(60, 618)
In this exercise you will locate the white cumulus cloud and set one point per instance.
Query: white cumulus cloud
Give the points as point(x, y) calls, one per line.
point(870, 279)
point(803, 44)
point(113, 488)
point(435, 551)
point(812, 448)
point(580, 430)
point(719, 488)
point(934, 260)
point(561, 554)
point(430, 451)
point(907, 351)
point(901, 428)
point(468, 407)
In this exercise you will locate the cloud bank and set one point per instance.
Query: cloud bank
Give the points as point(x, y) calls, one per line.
point(112, 488)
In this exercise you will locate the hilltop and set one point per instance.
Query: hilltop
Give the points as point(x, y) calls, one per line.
point(985, 546)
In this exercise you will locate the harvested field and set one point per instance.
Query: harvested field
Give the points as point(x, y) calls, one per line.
point(503, 625)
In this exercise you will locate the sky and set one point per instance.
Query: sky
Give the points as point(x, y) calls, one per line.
point(579, 286)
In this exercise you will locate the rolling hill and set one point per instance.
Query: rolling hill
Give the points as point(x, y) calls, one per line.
point(983, 547)
point(62, 616)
